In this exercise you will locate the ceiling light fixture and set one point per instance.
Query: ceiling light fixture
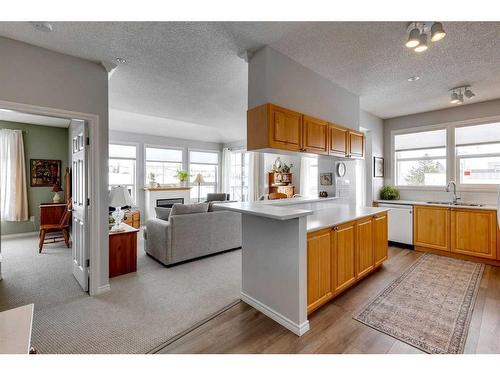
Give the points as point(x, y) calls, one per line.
point(121, 60)
point(458, 93)
point(413, 79)
point(42, 26)
point(418, 31)
point(468, 93)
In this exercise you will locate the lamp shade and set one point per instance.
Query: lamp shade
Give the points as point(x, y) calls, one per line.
point(120, 197)
point(56, 188)
point(199, 179)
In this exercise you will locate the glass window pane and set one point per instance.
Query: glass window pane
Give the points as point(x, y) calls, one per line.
point(121, 172)
point(433, 152)
point(434, 138)
point(163, 154)
point(477, 134)
point(492, 148)
point(164, 172)
point(203, 157)
point(421, 172)
point(208, 171)
point(122, 151)
point(481, 171)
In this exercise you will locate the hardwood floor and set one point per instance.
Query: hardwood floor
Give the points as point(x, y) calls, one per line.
point(242, 329)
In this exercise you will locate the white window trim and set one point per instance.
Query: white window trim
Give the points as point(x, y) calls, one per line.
point(164, 147)
point(218, 180)
point(451, 160)
point(136, 145)
point(243, 152)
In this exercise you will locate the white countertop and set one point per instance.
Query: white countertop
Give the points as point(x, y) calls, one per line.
point(423, 203)
point(339, 214)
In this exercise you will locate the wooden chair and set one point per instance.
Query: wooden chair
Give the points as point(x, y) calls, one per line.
point(277, 196)
point(62, 229)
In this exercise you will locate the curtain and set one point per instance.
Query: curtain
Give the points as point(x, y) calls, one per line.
point(13, 194)
point(254, 177)
point(226, 170)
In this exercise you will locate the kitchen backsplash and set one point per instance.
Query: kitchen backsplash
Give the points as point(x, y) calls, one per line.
point(466, 196)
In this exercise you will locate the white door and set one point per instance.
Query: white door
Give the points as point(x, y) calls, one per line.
point(80, 251)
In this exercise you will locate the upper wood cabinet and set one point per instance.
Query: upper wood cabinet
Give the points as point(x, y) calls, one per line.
point(271, 126)
point(364, 247)
point(431, 227)
point(474, 232)
point(344, 255)
point(338, 140)
point(315, 135)
point(380, 240)
point(319, 269)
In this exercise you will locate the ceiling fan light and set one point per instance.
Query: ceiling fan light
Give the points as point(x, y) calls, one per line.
point(468, 93)
point(422, 46)
point(437, 31)
point(413, 38)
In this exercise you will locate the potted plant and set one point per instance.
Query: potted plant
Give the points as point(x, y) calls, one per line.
point(152, 179)
point(389, 193)
point(183, 177)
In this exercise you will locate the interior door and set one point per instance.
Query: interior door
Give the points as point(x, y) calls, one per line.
point(80, 246)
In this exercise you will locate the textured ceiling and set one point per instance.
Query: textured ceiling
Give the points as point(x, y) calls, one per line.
point(190, 74)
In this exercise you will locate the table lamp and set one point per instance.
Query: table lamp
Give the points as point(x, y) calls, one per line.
point(199, 180)
point(56, 189)
point(118, 198)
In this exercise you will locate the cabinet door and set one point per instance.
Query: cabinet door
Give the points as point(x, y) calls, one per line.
point(474, 232)
point(356, 144)
point(337, 140)
point(285, 129)
point(315, 135)
point(319, 269)
point(344, 249)
point(431, 227)
point(380, 241)
point(364, 247)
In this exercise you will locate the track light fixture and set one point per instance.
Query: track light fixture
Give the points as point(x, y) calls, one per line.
point(418, 32)
point(458, 93)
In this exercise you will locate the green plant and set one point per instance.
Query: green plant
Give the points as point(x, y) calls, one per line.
point(152, 177)
point(389, 193)
point(182, 175)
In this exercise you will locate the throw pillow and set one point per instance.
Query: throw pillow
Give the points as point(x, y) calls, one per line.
point(162, 213)
point(186, 209)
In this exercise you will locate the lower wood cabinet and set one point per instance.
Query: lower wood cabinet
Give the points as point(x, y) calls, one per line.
point(340, 256)
point(431, 227)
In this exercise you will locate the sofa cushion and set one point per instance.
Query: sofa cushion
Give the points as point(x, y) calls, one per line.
point(185, 209)
point(162, 213)
point(217, 197)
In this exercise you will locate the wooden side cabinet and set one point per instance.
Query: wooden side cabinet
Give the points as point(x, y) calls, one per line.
point(344, 253)
point(319, 269)
point(315, 136)
point(380, 240)
point(431, 227)
point(364, 247)
point(474, 232)
point(123, 251)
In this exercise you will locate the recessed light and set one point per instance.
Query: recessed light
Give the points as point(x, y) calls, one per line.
point(42, 26)
point(121, 60)
point(413, 79)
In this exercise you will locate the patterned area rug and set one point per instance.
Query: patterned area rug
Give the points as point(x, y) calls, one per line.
point(429, 306)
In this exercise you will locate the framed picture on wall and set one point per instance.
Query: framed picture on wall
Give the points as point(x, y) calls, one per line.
point(325, 179)
point(378, 167)
point(45, 172)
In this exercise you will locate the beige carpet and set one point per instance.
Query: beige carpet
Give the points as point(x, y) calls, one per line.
point(429, 306)
point(142, 311)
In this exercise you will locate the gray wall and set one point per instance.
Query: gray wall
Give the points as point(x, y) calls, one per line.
point(142, 140)
point(448, 115)
point(36, 76)
point(275, 78)
point(373, 128)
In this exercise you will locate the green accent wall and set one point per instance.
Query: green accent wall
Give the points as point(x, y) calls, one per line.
point(40, 142)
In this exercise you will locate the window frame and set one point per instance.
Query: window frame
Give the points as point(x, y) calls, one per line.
point(243, 154)
point(163, 147)
point(217, 182)
point(134, 186)
point(452, 166)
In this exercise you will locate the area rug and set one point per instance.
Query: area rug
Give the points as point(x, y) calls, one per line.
point(142, 311)
point(429, 306)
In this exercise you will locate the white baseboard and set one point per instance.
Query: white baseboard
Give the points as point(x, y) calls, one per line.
point(18, 235)
point(298, 329)
point(103, 289)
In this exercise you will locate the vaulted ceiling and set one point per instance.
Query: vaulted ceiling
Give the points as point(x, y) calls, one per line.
point(189, 77)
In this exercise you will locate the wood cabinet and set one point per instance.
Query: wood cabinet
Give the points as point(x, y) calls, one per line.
point(364, 247)
point(132, 218)
point(431, 227)
point(380, 240)
point(344, 253)
point(474, 232)
point(315, 136)
point(123, 251)
point(319, 269)
point(271, 126)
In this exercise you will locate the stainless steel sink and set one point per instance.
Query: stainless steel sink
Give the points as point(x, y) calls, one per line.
point(457, 204)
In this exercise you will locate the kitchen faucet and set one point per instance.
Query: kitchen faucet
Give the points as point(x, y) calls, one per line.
point(455, 198)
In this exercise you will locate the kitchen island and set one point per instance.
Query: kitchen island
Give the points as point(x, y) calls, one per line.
point(280, 277)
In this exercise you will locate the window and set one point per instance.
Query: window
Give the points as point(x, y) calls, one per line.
point(478, 154)
point(207, 164)
point(420, 158)
point(309, 177)
point(164, 164)
point(122, 167)
point(238, 176)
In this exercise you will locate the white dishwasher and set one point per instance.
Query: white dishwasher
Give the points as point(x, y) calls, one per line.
point(400, 222)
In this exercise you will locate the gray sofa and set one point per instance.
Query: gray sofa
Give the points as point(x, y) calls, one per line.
point(186, 237)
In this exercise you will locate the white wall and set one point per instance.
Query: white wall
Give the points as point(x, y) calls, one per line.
point(275, 78)
point(373, 128)
point(39, 77)
point(142, 140)
point(448, 115)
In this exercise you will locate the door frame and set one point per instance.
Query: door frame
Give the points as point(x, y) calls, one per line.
point(95, 232)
